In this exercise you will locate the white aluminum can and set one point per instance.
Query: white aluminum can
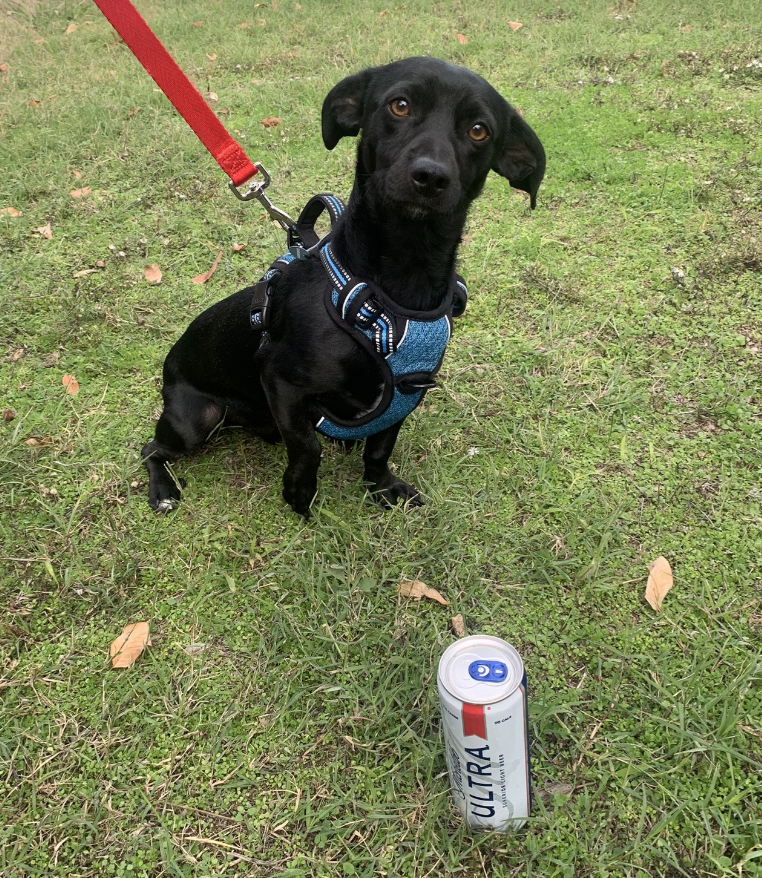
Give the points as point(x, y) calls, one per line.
point(483, 695)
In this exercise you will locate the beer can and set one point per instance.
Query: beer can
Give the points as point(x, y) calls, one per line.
point(482, 692)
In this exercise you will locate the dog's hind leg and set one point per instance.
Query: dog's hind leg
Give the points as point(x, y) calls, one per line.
point(385, 487)
point(186, 422)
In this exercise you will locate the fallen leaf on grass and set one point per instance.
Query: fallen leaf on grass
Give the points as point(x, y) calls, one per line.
point(129, 645)
point(10, 211)
point(77, 174)
point(203, 278)
point(4, 67)
point(84, 271)
point(515, 25)
point(71, 28)
point(45, 231)
point(458, 625)
point(659, 582)
point(71, 384)
point(462, 39)
point(238, 247)
point(38, 441)
point(271, 122)
point(80, 193)
point(194, 648)
point(8, 415)
point(17, 354)
point(212, 56)
point(152, 273)
point(418, 590)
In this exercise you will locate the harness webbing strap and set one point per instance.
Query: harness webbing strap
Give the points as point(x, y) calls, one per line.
point(185, 97)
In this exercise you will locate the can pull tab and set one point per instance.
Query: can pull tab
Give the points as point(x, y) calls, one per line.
point(488, 671)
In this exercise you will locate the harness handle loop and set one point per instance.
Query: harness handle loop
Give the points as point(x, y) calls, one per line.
point(303, 232)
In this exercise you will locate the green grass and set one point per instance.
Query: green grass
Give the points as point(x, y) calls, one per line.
point(594, 414)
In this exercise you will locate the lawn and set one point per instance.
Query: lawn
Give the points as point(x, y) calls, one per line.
point(600, 406)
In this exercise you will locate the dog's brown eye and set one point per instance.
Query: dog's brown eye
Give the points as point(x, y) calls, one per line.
point(478, 132)
point(400, 107)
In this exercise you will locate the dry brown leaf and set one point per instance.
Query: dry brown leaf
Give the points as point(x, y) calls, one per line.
point(152, 273)
point(38, 441)
point(77, 174)
point(383, 13)
point(271, 122)
point(462, 39)
point(84, 271)
point(515, 25)
point(686, 29)
point(10, 211)
point(71, 28)
point(458, 625)
point(197, 23)
point(8, 415)
point(213, 97)
point(244, 24)
point(17, 355)
point(45, 231)
point(4, 67)
point(212, 56)
point(659, 582)
point(418, 590)
point(35, 103)
point(203, 278)
point(71, 384)
point(129, 645)
point(238, 247)
point(80, 193)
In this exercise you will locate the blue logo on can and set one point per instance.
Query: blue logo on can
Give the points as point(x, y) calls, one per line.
point(488, 671)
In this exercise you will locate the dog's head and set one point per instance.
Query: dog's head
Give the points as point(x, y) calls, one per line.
point(431, 132)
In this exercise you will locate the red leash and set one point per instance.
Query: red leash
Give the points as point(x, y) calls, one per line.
point(147, 48)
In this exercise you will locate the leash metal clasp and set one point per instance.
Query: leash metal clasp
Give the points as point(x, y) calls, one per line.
point(257, 190)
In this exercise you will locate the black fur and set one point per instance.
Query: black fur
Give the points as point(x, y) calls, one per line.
point(416, 176)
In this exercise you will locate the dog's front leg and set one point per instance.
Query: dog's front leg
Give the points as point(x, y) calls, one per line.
point(290, 413)
point(385, 487)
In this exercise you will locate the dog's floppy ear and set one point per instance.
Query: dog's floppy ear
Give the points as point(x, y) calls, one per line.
point(344, 107)
point(522, 157)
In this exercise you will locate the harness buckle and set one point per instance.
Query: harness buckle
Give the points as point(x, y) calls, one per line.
point(259, 311)
point(257, 190)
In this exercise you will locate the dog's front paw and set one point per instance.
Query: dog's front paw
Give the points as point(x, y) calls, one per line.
point(299, 496)
point(396, 492)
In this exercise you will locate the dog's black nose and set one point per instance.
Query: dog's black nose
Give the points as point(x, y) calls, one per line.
point(430, 178)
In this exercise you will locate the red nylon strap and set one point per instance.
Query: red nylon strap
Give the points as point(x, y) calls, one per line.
point(147, 48)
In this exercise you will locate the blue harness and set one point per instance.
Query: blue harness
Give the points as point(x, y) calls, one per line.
point(408, 346)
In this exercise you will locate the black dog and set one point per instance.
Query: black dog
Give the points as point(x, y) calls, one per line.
point(431, 132)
